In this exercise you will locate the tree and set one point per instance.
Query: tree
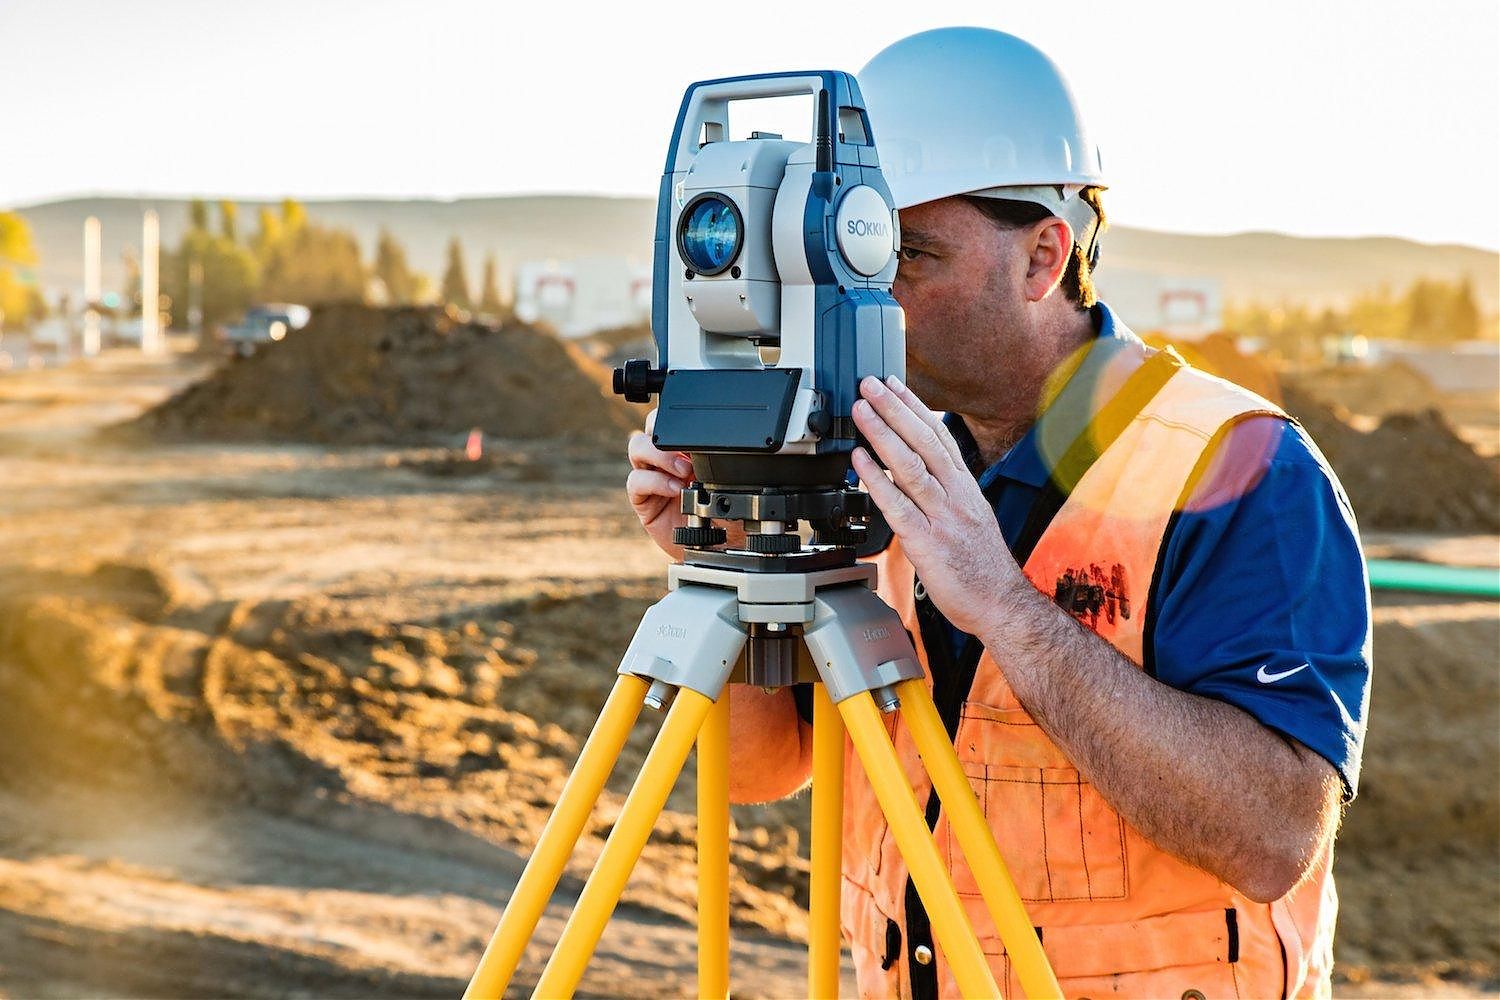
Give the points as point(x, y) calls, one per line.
point(1331, 324)
point(1289, 330)
point(1431, 311)
point(1377, 315)
point(293, 214)
point(305, 263)
point(229, 220)
point(20, 301)
point(392, 271)
point(198, 214)
point(424, 292)
point(15, 240)
point(313, 266)
point(1464, 321)
point(1426, 311)
point(489, 290)
point(266, 236)
point(228, 273)
point(455, 285)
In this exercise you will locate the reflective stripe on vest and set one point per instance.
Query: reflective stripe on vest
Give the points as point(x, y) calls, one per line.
point(1117, 915)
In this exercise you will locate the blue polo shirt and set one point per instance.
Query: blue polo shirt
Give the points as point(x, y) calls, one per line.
point(1261, 598)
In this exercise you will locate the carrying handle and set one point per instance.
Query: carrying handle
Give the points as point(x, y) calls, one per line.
point(706, 103)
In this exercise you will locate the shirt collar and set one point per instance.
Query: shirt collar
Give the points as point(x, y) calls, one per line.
point(1064, 419)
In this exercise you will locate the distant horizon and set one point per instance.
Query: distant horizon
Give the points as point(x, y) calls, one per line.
point(621, 196)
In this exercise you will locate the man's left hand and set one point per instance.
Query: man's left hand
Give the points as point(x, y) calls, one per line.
point(933, 504)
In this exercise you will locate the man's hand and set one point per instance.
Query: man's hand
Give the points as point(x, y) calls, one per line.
point(933, 504)
point(655, 484)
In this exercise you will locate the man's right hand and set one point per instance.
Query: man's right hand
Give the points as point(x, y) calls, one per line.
point(655, 484)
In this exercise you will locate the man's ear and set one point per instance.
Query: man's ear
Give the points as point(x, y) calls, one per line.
point(1051, 245)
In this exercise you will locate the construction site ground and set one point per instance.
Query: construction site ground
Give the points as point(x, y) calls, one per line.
point(284, 719)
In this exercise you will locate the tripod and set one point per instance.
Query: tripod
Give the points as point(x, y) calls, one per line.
point(805, 616)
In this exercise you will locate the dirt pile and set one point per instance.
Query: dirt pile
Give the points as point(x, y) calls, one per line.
point(1418, 868)
point(613, 347)
point(360, 375)
point(1411, 471)
point(1370, 390)
point(1217, 353)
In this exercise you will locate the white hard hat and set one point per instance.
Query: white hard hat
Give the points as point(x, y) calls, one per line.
point(965, 110)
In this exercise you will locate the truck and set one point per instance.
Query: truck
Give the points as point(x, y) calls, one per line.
point(264, 324)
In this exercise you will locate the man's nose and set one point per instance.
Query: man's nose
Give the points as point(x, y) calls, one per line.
point(900, 290)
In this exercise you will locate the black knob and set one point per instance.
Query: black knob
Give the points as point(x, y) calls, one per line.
point(700, 537)
point(773, 545)
point(847, 535)
point(637, 381)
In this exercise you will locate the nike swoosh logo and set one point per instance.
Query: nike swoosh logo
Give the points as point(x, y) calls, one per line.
point(1266, 677)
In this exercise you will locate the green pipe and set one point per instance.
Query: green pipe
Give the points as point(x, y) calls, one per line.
point(1476, 581)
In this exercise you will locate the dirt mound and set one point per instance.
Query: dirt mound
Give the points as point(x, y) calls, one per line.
point(360, 375)
point(635, 335)
point(613, 347)
point(1218, 354)
point(1412, 471)
point(1371, 390)
point(468, 723)
point(1418, 867)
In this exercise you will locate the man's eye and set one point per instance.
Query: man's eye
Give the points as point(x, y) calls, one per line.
point(910, 253)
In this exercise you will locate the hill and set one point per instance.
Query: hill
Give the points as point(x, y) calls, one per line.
point(1317, 270)
point(1265, 266)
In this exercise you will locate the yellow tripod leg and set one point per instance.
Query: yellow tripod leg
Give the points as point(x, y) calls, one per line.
point(969, 826)
point(827, 848)
point(950, 924)
point(713, 852)
point(633, 827)
point(555, 845)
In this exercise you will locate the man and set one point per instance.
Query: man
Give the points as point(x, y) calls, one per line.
point(1138, 590)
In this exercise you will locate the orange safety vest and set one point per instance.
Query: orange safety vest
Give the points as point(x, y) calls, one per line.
point(1117, 915)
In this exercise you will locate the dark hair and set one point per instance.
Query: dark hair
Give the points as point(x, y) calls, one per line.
point(1077, 281)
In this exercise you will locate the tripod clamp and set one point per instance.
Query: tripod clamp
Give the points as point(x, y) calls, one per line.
point(693, 638)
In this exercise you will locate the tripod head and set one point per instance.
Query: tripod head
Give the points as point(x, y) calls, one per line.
point(771, 299)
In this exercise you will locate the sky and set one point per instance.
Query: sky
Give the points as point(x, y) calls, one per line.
point(1315, 117)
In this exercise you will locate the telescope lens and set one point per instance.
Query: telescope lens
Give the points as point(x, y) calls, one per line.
point(710, 233)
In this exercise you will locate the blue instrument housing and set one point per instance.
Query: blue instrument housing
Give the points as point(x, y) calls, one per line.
point(857, 326)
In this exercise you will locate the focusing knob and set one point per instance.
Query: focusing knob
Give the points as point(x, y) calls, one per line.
point(637, 381)
point(697, 538)
point(847, 535)
point(773, 545)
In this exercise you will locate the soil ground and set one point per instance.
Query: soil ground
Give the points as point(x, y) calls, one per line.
point(248, 696)
point(284, 719)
